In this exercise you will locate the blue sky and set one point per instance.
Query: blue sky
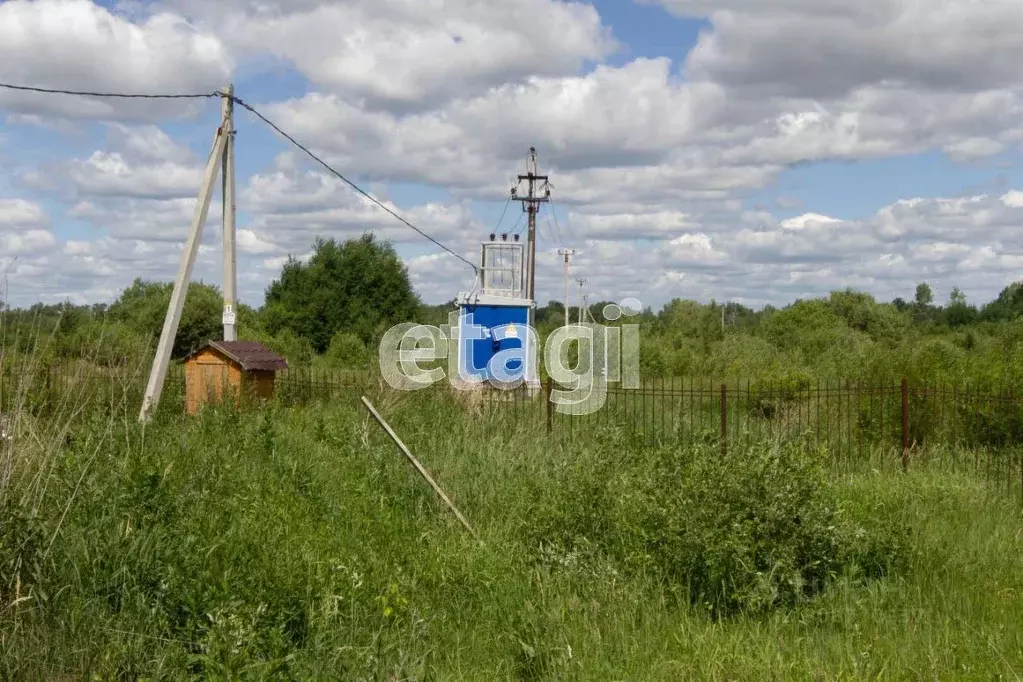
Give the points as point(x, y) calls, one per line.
point(728, 150)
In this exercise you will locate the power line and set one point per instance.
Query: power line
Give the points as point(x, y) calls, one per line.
point(117, 95)
point(351, 184)
point(555, 214)
point(517, 227)
point(551, 228)
point(257, 114)
point(501, 219)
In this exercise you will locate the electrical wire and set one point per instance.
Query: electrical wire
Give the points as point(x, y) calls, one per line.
point(117, 95)
point(550, 231)
point(351, 184)
point(555, 215)
point(517, 227)
point(505, 209)
point(257, 114)
point(550, 228)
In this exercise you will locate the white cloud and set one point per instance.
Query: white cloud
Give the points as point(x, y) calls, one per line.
point(80, 45)
point(25, 242)
point(939, 45)
point(808, 221)
point(109, 174)
point(400, 53)
point(149, 220)
point(632, 115)
point(636, 224)
point(292, 207)
point(1013, 199)
point(141, 162)
point(148, 143)
point(973, 148)
point(638, 134)
point(249, 242)
point(21, 213)
point(693, 251)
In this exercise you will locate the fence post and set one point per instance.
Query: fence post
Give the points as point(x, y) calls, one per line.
point(548, 389)
point(724, 419)
point(905, 424)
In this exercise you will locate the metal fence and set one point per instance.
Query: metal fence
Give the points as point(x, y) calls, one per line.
point(972, 425)
point(849, 417)
point(977, 426)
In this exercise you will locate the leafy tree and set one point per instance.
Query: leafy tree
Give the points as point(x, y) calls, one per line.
point(360, 286)
point(856, 307)
point(924, 295)
point(143, 306)
point(1008, 305)
point(298, 351)
point(436, 314)
point(551, 314)
point(958, 312)
point(691, 319)
point(71, 317)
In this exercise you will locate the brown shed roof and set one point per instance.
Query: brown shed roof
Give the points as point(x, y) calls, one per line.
point(250, 355)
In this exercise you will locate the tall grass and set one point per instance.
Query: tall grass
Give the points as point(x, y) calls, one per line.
point(295, 543)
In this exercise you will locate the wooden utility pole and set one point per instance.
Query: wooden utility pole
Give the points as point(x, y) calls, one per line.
point(566, 253)
point(220, 159)
point(531, 205)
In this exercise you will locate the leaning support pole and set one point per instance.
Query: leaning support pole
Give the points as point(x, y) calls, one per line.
point(177, 302)
point(230, 262)
point(418, 466)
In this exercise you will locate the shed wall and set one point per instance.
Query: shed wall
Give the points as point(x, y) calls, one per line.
point(263, 383)
point(210, 378)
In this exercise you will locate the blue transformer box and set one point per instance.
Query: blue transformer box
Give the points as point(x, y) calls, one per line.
point(493, 339)
point(495, 320)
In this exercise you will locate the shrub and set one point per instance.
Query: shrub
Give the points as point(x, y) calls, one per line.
point(107, 344)
point(757, 529)
point(744, 356)
point(347, 350)
point(298, 351)
point(765, 396)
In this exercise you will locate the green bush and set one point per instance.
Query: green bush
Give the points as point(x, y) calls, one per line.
point(347, 350)
point(297, 350)
point(754, 530)
point(107, 344)
point(742, 356)
point(765, 396)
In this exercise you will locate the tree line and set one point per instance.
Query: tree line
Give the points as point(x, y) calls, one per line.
point(332, 309)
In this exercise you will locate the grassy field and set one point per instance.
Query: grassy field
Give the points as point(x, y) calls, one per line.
point(298, 544)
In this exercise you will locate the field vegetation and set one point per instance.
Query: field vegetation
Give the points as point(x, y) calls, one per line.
point(294, 542)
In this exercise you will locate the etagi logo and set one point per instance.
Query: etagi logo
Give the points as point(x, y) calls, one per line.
point(581, 359)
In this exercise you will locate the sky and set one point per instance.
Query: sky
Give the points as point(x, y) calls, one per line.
point(735, 150)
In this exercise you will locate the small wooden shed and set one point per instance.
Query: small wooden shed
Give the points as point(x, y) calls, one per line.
point(244, 369)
